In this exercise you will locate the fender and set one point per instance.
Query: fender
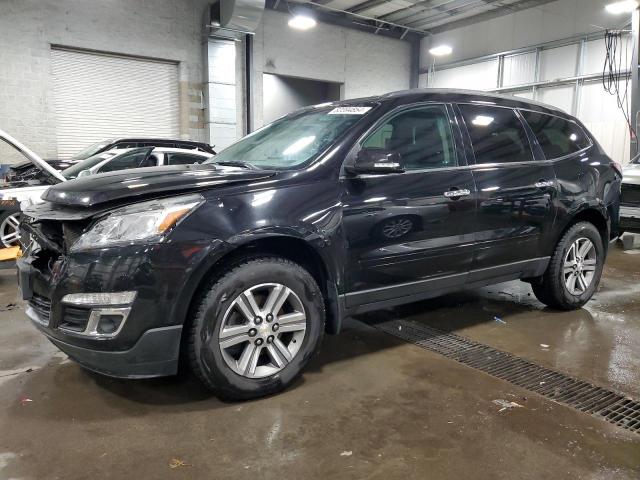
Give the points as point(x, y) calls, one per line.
point(318, 242)
point(593, 205)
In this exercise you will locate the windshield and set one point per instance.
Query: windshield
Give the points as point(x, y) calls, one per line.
point(293, 140)
point(90, 151)
point(74, 170)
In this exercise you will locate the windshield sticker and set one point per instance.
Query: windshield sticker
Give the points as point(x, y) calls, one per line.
point(349, 110)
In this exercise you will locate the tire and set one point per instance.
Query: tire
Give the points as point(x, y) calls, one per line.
point(246, 369)
point(9, 233)
point(565, 290)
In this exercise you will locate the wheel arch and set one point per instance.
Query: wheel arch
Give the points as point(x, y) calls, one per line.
point(594, 215)
point(293, 248)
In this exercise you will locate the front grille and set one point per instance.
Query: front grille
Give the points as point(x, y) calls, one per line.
point(42, 307)
point(75, 319)
point(630, 194)
point(559, 387)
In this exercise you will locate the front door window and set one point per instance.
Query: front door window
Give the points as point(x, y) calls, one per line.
point(422, 136)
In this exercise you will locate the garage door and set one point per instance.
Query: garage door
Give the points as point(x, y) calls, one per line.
point(103, 96)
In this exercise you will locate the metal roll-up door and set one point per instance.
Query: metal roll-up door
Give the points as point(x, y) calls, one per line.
point(104, 96)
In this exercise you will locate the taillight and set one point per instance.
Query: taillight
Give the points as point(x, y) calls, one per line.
point(617, 167)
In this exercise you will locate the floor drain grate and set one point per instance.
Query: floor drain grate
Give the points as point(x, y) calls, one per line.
point(583, 396)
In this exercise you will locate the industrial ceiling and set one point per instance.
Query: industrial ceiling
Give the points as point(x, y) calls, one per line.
point(422, 16)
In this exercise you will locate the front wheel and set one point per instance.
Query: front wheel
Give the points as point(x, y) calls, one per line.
point(574, 270)
point(9, 232)
point(255, 328)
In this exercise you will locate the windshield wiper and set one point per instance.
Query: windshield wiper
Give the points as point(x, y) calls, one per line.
point(236, 163)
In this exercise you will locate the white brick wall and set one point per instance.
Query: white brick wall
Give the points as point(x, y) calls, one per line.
point(172, 29)
point(167, 29)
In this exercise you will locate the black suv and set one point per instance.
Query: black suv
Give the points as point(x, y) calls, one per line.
point(239, 266)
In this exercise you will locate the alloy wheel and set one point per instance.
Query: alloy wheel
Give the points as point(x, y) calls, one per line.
point(580, 264)
point(9, 232)
point(262, 330)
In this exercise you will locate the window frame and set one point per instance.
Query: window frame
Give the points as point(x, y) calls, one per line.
point(458, 142)
point(585, 132)
point(536, 152)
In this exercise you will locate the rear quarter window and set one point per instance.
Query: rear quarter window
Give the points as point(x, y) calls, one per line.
point(557, 137)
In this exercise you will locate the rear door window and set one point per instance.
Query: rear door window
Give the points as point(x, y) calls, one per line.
point(130, 159)
point(557, 137)
point(184, 158)
point(497, 134)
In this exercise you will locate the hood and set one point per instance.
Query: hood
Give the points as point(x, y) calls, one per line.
point(32, 157)
point(631, 174)
point(144, 182)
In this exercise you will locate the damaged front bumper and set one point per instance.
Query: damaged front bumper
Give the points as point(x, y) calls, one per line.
point(127, 336)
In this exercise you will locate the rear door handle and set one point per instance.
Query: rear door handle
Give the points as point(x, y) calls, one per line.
point(544, 183)
point(457, 193)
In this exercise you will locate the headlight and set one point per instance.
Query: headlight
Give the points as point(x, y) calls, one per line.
point(147, 221)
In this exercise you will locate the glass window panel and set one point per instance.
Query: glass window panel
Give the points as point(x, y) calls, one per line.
point(422, 136)
point(497, 135)
point(519, 69)
point(557, 137)
point(558, 62)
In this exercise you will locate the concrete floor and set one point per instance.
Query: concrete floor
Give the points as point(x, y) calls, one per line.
point(370, 406)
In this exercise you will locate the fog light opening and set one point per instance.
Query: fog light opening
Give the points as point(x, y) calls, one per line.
point(106, 323)
point(109, 324)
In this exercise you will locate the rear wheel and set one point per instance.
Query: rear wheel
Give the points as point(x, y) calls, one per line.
point(255, 328)
point(574, 270)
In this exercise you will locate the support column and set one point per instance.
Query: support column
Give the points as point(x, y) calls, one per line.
point(414, 81)
point(634, 113)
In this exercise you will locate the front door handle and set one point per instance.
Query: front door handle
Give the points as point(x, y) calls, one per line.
point(544, 183)
point(454, 193)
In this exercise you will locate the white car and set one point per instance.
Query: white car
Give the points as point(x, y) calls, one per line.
point(109, 161)
point(630, 198)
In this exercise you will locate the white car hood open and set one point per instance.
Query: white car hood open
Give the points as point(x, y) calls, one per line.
point(31, 156)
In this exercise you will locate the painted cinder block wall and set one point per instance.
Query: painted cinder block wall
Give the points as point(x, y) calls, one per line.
point(164, 29)
point(364, 63)
point(173, 30)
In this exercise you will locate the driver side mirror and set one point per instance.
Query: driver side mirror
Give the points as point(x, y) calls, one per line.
point(376, 160)
point(84, 173)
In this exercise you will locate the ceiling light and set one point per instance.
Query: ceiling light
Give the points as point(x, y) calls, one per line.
point(302, 22)
point(441, 50)
point(482, 120)
point(626, 6)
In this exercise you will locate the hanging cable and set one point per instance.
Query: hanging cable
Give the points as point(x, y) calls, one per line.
point(615, 79)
